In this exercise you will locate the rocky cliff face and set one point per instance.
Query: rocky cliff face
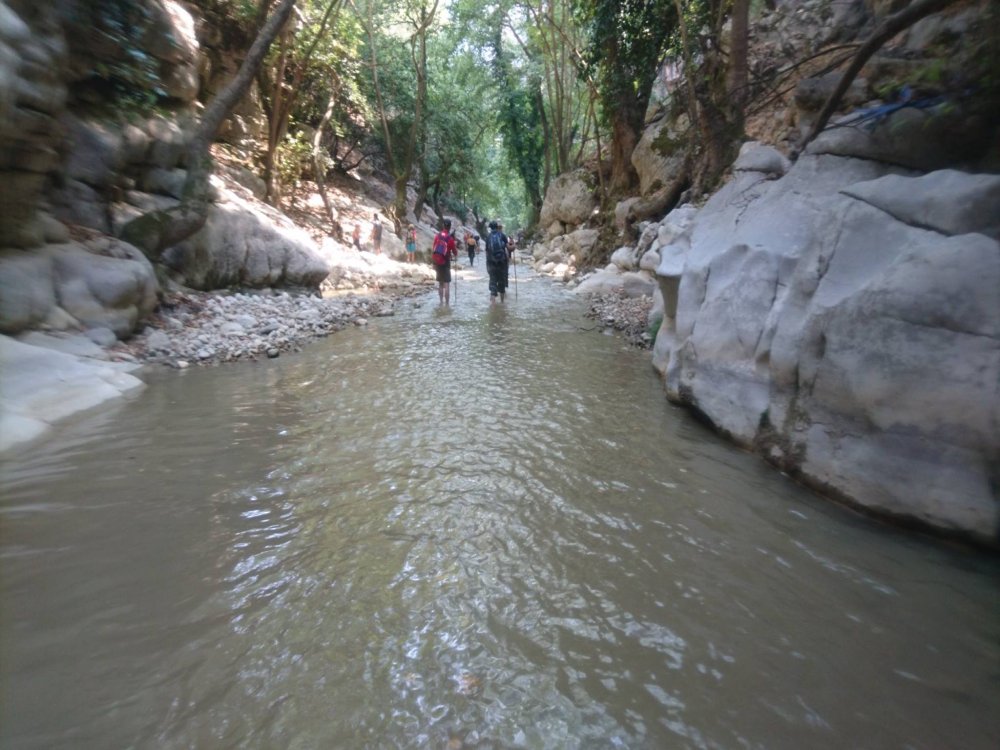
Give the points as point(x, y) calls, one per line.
point(839, 314)
point(82, 150)
point(843, 321)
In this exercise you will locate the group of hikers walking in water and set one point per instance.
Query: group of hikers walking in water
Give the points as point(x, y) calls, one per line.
point(499, 256)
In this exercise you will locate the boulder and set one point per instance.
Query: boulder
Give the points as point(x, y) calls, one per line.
point(169, 182)
point(168, 141)
point(631, 283)
point(926, 139)
point(622, 209)
point(27, 294)
point(76, 344)
point(660, 154)
point(649, 261)
point(757, 157)
point(625, 258)
point(844, 323)
point(570, 199)
point(111, 285)
point(39, 386)
point(76, 202)
point(245, 243)
point(95, 152)
point(32, 100)
point(947, 201)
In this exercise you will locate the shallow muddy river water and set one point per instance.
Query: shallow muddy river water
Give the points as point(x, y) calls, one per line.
point(471, 528)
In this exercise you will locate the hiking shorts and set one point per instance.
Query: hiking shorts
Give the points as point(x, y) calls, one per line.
point(443, 273)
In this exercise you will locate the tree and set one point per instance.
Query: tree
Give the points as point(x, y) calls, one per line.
point(716, 82)
point(520, 115)
point(401, 134)
point(885, 31)
point(282, 83)
point(155, 231)
point(626, 42)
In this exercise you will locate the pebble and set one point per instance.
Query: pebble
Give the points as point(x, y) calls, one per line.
point(623, 314)
point(224, 327)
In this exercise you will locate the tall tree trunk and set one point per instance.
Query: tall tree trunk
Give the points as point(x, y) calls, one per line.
point(623, 141)
point(402, 168)
point(319, 170)
point(422, 188)
point(739, 72)
point(283, 99)
point(155, 231)
point(277, 126)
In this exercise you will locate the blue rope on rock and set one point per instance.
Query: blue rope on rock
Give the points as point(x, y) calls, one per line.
point(870, 117)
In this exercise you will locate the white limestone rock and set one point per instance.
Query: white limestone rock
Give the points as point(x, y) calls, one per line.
point(817, 319)
point(758, 157)
point(659, 155)
point(40, 386)
point(569, 200)
point(947, 201)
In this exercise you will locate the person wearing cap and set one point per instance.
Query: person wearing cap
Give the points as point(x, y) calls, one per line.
point(497, 261)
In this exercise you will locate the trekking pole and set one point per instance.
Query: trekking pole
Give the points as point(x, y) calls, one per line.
point(456, 281)
point(513, 257)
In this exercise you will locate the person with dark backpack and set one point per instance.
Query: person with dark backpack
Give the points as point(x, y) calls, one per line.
point(497, 262)
point(442, 252)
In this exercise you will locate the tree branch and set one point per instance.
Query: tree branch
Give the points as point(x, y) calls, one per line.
point(155, 231)
point(891, 26)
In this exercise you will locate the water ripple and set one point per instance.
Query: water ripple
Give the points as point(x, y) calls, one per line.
point(457, 529)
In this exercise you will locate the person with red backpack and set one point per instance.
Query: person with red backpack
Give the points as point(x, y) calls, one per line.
point(442, 253)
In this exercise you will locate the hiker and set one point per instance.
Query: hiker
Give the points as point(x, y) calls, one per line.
point(471, 241)
point(376, 237)
point(441, 256)
point(497, 261)
point(411, 244)
point(356, 237)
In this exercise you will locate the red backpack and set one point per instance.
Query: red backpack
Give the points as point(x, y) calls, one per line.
point(440, 253)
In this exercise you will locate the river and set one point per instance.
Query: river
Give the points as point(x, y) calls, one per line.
point(466, 528)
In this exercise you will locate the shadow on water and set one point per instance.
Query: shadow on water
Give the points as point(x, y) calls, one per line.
point(478, 526)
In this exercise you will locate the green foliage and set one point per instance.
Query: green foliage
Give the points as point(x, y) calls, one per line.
point(517, 109)
point(927, 76)
point(294, 156)
point(654, 328)
point(626, 41)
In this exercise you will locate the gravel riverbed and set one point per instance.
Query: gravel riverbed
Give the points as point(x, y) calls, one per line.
point(626, 315)
point(204, 328)
point(194, 328)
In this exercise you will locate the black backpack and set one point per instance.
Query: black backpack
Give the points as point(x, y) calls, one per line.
point(495, 248)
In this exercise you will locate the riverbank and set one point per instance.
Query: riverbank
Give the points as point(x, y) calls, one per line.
point(628, 316)
point(49, 376)
point(201, 328)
